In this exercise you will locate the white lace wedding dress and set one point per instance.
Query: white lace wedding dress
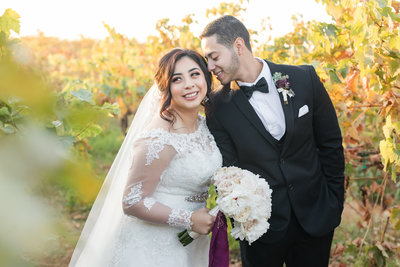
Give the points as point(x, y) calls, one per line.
point(168, 180)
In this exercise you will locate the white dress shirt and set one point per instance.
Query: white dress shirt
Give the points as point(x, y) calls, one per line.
point(268, 105)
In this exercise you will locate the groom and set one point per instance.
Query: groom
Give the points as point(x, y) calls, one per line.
point(289, 137)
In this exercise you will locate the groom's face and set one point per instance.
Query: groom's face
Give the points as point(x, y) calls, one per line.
point(221, 61)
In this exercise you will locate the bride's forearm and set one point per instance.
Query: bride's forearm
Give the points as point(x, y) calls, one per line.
point(152, 211)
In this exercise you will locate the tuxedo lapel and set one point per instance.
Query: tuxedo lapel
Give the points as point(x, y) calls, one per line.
point(245, 107)
point(287, 108)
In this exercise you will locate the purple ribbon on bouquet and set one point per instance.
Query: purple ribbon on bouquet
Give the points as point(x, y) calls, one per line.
point(219, 247)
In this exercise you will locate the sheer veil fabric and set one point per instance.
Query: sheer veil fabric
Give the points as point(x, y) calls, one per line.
point(100, 230)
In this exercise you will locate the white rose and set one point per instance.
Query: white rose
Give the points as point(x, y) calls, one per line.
point(263, 188)
point(249, 184)
point(233, 174)
point(243, 214)
point(228, 205)
point(224, 187)
point(255, 229)
point(238, 231)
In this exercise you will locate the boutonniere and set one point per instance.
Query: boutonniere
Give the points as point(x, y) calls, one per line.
point(282, 84)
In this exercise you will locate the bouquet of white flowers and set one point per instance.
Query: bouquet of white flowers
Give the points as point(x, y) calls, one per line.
point(244, 197)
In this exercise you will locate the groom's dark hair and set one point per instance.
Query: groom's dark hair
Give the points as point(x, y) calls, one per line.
point(227, 29)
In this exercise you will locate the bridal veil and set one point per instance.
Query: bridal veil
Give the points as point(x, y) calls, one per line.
point(103, 221)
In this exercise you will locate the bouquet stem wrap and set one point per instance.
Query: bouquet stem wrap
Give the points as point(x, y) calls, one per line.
point(186, 237)
point(219, 247)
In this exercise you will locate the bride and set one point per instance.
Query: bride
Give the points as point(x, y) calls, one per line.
point(157, 185)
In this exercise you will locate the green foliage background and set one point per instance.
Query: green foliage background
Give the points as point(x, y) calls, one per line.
point(66, 105)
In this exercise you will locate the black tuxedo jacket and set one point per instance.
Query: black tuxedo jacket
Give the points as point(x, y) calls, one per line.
point(307, 173)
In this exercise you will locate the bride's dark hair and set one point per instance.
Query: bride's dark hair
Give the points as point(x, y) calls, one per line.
point(163, 77)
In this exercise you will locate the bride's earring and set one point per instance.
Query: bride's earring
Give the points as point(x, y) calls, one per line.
point(206, 99)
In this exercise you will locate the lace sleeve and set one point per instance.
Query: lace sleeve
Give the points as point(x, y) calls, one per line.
point(151, 158)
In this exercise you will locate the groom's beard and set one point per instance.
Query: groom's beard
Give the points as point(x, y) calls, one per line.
point(229, 74)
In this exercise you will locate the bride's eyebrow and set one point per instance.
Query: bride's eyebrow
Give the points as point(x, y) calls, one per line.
point(178, 73)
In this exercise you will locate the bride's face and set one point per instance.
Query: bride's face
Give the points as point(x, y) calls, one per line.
point(188, 85)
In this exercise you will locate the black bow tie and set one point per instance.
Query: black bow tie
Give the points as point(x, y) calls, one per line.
point(261, 86)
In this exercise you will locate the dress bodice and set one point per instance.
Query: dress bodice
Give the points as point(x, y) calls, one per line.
point(197, 157)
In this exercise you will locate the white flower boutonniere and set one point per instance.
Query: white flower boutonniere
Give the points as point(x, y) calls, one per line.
point(282, 84)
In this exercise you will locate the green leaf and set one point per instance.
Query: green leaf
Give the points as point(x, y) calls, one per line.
point(380, 73)
point(394, 65)
point(368, 61)
point(4, 112)
point(382, 250)
point(141, 90)
point(387, 147)
point(334, 77)
point(84, 95)
point(394, 54)
point(344, 71)
point(394, 174)
point(107, 89)
point(113, 108)
point(66, 141)
point(3, 39)
point(56, 123)
point(331, 30)
point(397, 152)
point(7, 129)
point(351, 248)
point(387, 11)
point(395, 218)
point(9, 21)
point(90, 131)
point(377, 14)
point(382, 3)
point(378, 255)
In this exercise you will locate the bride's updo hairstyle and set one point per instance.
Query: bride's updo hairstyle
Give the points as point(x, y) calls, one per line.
point(163, 77)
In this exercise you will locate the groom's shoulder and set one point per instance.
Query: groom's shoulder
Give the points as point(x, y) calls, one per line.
point(286, 67)
point(221, 101)
point(223, 95)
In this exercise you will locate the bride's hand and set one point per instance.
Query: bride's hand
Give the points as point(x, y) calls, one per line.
point(202, 221)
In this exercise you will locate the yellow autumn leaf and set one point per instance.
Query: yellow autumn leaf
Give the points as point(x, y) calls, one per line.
point(385, 149)
point(388, 127)
point(394, 43)
point(352, 131)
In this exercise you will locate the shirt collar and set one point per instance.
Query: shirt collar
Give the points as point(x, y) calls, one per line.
point(265, 72)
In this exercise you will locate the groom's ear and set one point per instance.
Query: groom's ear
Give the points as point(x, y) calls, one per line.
point(239, 46)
